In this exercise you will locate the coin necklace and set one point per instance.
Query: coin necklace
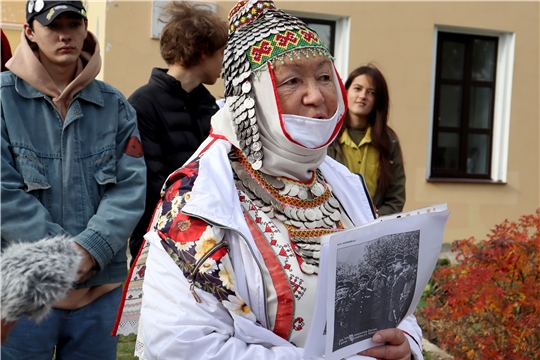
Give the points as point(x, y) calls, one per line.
point(307, 210)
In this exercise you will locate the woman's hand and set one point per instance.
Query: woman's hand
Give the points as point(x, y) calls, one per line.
point(397, 346)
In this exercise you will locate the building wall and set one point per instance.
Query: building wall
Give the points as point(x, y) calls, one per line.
point(13, 16)
point(399, 38)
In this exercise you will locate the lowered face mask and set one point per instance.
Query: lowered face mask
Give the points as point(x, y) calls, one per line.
point(309, 132)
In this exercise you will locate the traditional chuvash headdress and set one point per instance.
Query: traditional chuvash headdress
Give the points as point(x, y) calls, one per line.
point(289, 186)
point(259, 34)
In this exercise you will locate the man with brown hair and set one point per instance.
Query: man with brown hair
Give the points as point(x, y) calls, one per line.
point(72, 166)
point(174, 108)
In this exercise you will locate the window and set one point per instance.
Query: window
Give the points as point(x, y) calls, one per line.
point(463, 106)
point(326, 30)
point(334, 30)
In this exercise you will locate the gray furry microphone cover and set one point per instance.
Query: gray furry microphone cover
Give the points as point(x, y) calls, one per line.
point(36, 275)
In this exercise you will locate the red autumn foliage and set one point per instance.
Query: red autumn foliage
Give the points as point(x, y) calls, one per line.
point(487, 306)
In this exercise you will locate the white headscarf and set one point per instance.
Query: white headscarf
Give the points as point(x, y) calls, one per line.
point(283, 156)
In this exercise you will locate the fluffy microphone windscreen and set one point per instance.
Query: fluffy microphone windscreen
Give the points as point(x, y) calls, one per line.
point(36, 275)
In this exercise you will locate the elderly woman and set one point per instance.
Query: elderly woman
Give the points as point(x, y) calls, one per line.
point(232, 255)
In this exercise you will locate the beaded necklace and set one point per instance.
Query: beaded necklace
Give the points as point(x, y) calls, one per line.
point(307, 210)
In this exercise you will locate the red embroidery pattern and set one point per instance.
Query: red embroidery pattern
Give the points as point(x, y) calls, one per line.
point(265, 49)
point(296, 285)
point(309, 36)
point(298, 323)
point(284, 40)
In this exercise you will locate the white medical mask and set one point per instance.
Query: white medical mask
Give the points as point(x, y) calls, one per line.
point(309, 132)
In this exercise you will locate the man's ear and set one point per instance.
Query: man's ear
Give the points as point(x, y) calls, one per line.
point(28, 32)
point(86, 28)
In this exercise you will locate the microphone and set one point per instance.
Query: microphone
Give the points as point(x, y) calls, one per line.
point(36, 275)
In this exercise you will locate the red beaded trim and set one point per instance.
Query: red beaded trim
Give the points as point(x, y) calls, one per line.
point(311, 233)
point(296, 202)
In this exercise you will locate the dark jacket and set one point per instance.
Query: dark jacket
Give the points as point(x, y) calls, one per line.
point(172, 125)
point(392, 200)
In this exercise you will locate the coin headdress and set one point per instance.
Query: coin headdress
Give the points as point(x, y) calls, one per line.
point(259, 35)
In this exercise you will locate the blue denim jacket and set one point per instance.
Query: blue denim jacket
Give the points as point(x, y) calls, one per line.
point(71, 176)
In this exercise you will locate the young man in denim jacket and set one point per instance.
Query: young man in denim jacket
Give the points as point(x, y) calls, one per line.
point(72, 164)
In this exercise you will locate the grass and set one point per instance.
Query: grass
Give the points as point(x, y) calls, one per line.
point(126, 347)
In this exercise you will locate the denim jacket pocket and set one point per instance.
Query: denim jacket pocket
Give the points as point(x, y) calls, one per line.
point(105, 168)
point(31, 169)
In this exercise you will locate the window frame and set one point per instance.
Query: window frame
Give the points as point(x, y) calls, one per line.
point(331, 23)
point(463, 129)
point(501, 107)
point(341, 38)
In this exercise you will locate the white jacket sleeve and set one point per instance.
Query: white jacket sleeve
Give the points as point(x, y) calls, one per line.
point(413, 333)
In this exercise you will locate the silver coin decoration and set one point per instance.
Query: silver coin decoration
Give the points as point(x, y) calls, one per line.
point(324, 211)
point(294, 190)
point(310, 214)
point(335, 216)
point(317, 189)
point(297, 224)
point(294, 213)
point(246, 87)
point(241, 117)
point(285, 189)
point(269, 193)
point(328, 221)
point(301, 215)
point(328, 207)
point(302, 193)
point(258, 155)
point(309, 269)
point(256, 146)
point(249, 103)
point(257, 165)
point(272, 180)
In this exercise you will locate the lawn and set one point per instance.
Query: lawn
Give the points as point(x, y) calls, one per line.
point(126, 347)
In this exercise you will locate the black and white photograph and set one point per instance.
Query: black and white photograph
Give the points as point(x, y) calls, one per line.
point(371, 278)
point(375, 282)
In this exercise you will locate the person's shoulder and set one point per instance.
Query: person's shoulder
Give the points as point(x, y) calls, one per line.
point(393, 135)
point(102, 93)
point(147, 91)
point(337, 166)
point(7, 78)
point(206, 94)
point(107, 88)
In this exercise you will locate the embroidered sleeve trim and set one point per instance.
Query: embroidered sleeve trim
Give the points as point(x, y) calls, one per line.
point(197, 248)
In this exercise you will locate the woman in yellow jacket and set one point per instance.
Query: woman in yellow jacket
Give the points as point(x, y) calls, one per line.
point(367, 145)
